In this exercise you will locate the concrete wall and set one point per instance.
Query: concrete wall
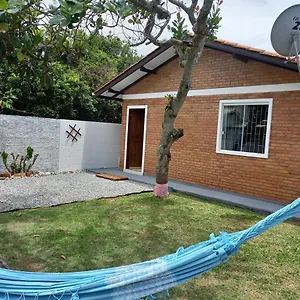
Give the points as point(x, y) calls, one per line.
point(97, 147)
point(41, 134)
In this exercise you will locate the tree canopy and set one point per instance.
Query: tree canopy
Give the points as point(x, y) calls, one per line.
point(50, 70)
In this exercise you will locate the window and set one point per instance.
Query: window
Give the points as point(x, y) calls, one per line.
point(244, 127)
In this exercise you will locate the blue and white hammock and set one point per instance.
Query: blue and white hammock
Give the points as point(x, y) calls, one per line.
point(142, 280)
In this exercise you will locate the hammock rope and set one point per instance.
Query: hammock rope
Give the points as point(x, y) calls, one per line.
point(147, 280)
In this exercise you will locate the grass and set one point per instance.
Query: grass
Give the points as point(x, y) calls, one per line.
point(98, 234)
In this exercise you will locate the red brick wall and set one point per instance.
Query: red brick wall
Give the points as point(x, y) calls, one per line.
point(194, 157)
point(215, 69)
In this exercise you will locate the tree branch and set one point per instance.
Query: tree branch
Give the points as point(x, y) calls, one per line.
point(138, 43)
point(190, 11)
point(177, 134)
point(200, 51)
point(193, 5)
point(149, 25)
point(24, 112)
point(200, 26)
point(162, 28)
point(170, 42)
point(152, 7)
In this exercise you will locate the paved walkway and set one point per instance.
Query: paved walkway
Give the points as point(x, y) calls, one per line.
point(255, 204)
point(31, 192)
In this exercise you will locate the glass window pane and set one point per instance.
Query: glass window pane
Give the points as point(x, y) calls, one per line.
point(232, 127)
point(255, 129)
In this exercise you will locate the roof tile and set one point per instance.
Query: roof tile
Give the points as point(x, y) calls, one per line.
point(229, 43)
point(249, 48)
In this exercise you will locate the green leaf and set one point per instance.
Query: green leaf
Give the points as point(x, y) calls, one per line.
point(4, 155)
point(111, 8)
point(65, 12)
point(15, 41)
point(72, 2)
point(38, 37)
point(66, 21)
point(14, 10)
point(3, 5)
point(18, 4)
point(98, 7)
point(4, 27)
point(64, 3)
point(21, 56)
point(57, 20)
point(76, 9)
point(99, 21)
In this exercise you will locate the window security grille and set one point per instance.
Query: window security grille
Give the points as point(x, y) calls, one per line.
point(244, 127)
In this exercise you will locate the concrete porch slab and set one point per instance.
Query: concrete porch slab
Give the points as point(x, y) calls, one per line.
point(209, 194)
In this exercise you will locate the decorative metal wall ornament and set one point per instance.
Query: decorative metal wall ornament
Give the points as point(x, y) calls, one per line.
point(73, 133)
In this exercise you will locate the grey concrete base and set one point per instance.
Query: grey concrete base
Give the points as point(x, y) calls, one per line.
point(209, 194)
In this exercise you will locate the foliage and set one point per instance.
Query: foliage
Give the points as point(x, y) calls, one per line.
point(214, 20)
point(43, 54)
point(141, 21)
point(20, 163)
point(19, 28)
point(7, 103)
point(179, 28)
point(4, 156)
point(77, 68)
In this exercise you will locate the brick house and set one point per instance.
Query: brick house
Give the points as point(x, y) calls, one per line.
point(241, 119)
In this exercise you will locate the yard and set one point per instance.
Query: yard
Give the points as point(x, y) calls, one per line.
point(117, 231)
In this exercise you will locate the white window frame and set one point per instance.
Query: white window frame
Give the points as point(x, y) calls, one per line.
point(267, 101)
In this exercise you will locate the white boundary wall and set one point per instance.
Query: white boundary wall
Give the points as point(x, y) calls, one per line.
point(97, 147)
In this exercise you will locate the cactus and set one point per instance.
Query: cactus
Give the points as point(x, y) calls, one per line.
point(19, 163)
point(15, 166)
point(4, 156)
point(33, 162)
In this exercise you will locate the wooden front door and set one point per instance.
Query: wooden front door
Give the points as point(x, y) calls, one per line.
point(135, 139)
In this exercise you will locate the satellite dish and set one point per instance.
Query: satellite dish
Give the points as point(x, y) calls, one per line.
point(285, 35)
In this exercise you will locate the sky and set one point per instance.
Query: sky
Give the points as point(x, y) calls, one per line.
point(247, 22)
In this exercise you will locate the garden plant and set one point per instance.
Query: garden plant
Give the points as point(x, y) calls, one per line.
point(20, 163)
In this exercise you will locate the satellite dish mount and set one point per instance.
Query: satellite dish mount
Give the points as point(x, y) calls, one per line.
point(294, 49)
point(285, 34)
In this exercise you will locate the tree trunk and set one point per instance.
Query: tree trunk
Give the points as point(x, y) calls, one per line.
point(168, 137)
point(169, 133)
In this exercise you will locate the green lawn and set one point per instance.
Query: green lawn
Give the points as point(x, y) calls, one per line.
point(104, 233)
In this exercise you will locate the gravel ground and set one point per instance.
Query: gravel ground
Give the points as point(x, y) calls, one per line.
point(58, 189)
